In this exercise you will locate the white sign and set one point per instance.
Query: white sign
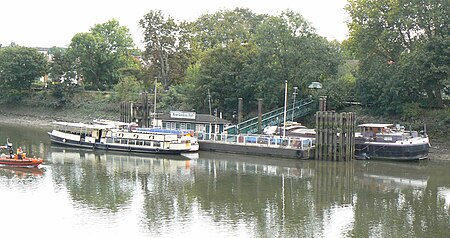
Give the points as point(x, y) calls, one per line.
point(184, 115)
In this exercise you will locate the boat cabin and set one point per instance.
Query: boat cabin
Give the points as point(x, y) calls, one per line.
point(371, 130)
point(385, 132)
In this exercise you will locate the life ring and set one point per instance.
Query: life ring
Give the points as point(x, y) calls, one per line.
point(299, 154)
point(136, 136)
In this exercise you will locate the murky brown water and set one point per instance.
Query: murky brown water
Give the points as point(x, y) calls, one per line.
point(81, 192)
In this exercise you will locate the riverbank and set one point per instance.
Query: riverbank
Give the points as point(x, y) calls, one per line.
point(440, 148)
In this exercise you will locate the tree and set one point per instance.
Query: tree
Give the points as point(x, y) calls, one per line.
point(226, 74)
point(160, 38)
point(101, 53)
point(19, 68)
point(62, 68)
point(224, 27)
point(250, 56)
point(291, 50)
point(394, 38)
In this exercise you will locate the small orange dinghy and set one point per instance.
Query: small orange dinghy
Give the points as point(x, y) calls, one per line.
point(24, 162)
point(19, 160)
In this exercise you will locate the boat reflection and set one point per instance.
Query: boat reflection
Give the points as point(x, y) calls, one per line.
point(251, 192)
point(21, 172)
point(385, 176)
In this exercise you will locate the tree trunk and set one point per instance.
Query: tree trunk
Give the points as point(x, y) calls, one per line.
point(438, 96)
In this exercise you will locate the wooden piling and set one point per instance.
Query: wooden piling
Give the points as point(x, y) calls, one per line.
point(335, 136)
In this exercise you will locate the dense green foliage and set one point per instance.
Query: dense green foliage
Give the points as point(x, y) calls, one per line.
point(99, 55)
point(395, 62)
point(241, 54)
point(403, 49)
point(19, 68)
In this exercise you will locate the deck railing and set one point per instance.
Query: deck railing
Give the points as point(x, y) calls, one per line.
point(259, 140)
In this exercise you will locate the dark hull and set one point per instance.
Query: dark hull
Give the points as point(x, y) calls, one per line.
point(112, 147)
point(391, 151)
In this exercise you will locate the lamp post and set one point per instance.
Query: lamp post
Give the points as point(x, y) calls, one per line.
point(285, 104)
point(293, 104)
point(154, 105)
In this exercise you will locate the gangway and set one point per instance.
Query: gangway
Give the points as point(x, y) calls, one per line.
point(301, 108)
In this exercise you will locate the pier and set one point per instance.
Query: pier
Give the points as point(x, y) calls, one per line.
point(334, 139)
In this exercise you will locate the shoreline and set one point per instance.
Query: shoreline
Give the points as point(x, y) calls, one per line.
point(440, 150)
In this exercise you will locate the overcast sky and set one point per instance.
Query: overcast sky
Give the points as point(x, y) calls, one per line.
point(47, 23)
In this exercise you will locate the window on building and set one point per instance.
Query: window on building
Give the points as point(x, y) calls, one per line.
point(199, 127)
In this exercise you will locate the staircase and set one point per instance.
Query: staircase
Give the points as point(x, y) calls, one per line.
point(301, 108)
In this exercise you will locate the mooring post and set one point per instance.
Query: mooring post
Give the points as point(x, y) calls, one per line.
point(259, 116)
point(240, 108)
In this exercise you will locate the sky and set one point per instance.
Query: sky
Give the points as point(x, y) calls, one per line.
point(48, 23)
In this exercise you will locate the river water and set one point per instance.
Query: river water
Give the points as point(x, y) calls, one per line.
point(78, 193)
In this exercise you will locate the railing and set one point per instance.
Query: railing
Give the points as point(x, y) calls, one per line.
point(275, 117)
point(259, 140)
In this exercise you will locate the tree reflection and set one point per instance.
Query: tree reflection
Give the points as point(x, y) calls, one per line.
point(93, 180)
point(269, 198)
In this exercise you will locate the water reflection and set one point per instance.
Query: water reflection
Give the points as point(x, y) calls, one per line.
point(21, 172)
point(256, 197)
point(106, 180)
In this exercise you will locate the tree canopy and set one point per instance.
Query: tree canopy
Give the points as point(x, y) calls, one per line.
point(19, 68)
point(100, 54)
point(395, 58)
point(403, 48)
point(242, 54)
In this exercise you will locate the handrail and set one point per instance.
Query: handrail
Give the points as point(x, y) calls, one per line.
point(275, 117)
point(259, 140)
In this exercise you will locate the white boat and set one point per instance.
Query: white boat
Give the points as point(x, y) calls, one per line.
point(182, 134)
point(384, 141)
point(123, 137)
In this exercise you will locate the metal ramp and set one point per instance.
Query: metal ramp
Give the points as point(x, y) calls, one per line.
point(301, 108)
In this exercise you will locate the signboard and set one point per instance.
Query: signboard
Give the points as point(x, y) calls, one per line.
point(184, 115)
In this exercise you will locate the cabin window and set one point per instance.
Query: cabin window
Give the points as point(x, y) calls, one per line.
point(132, 142)
point(147, 143)
point(123, 141)
point(156, 144)
point(183, 126)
